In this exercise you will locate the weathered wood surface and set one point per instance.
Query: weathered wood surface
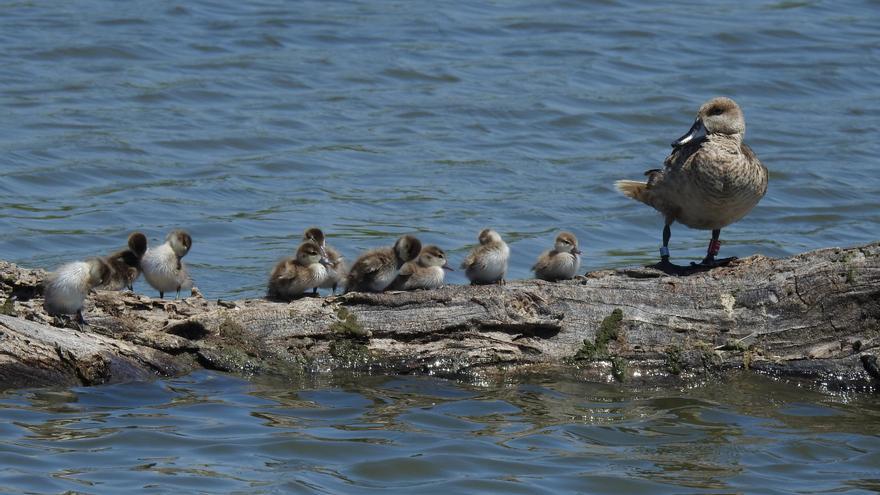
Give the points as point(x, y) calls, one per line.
point(814, 316)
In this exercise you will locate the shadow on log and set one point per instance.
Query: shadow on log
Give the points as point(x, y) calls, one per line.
point(814, 316)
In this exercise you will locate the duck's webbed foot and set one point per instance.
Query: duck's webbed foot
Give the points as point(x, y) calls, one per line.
point(714, 247)
point(712, 262)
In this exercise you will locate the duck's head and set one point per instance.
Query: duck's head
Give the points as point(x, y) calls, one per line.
point(566, 242)
point(488, 236)
point(308, 253)
point(407, 248)
point(137, 243)
point(99, 272)
point(180, 242)
point(719, 115)
point(315, 235)
point(434, 256)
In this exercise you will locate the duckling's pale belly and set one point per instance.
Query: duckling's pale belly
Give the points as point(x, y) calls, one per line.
point(383, 278)
point(494, 266)
point(425, 278)
point(563, 266)
point(67, 289)
point(159, 267)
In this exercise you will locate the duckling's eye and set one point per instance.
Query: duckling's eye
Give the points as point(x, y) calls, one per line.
point(716, 111)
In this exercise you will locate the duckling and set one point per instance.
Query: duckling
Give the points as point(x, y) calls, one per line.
point(375, 270)
point(125, 264)
point(487, 263)
point(560, 263)
point(294, 275)
point(336, 263)
point(425, 272)
point(65, 290)
point(709, 181)
point(162, 266)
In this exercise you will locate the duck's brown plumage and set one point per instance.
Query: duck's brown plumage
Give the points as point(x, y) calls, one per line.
point(706, 183)
point(125, 264)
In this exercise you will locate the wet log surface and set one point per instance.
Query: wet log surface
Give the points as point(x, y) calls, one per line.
point(814, 316)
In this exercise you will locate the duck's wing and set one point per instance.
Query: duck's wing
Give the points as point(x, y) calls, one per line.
point(333, 256)
point(543, 261)
point(368, 266)
point(283, 276)
point(752, 159)
point(476, 258)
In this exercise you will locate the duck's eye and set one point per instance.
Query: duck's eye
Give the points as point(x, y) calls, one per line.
point(716, 111)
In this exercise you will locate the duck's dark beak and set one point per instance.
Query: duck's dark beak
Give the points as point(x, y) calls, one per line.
point(696, 132)
point(324, 261)
point(576, 251)
point(447, 267)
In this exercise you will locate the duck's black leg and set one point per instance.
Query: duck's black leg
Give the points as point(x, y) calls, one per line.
point(664, 251)
point(81, 319)
point(161, 295)
point(712, 252)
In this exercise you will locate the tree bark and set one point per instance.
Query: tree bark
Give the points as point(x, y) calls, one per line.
point(815, 316)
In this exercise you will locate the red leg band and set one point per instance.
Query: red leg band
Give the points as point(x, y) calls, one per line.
point(714, 247)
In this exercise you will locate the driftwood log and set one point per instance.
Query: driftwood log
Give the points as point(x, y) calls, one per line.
point(815, 316)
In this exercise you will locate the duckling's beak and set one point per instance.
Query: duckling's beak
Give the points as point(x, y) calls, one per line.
point(697, 131)
point(324, 261)
point(576, 251)
point(447, 267)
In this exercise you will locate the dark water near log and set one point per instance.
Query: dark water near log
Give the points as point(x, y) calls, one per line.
point(245, 122)
point(209, 433)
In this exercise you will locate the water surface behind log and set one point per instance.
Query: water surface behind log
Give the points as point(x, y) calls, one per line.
point(247, 121)
point(210, 433)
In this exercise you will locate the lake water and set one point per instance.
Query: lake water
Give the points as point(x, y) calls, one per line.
point(245, 122)
point(210, 433)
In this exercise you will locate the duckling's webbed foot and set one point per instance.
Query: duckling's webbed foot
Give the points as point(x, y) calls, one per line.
point(81, 320)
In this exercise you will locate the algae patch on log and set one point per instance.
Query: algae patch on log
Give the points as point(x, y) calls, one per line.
point(597, 350)
point(609, 330)
point(347, 324)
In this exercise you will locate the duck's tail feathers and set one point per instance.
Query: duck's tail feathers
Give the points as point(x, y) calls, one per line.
point(633, 189)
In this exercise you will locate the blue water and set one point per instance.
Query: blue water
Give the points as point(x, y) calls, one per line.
point(210, 433)
point(245, 122)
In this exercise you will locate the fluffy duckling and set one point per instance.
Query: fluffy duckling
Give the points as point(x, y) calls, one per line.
point(709, 181)
point(125, 264)
point(294, 275)
point(375, 270)
point(425, 272)
point(66, 289)
point(162, 266)
point(560, 263)
point(335, 262)
point(487, 263)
